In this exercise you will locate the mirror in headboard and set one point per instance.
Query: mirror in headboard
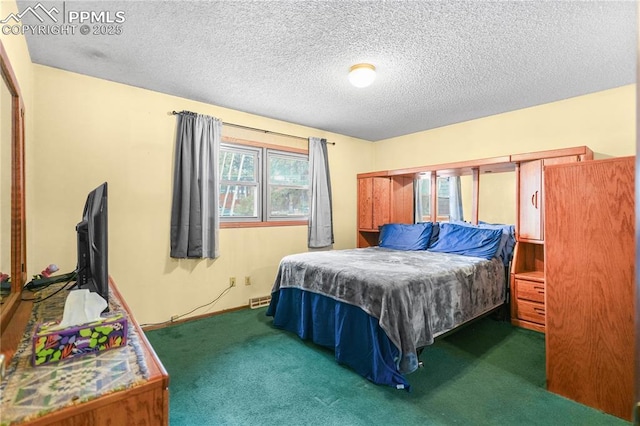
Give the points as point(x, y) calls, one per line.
point(497, 192)
point(12, 196)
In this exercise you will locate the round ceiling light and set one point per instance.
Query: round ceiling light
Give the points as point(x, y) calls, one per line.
point(362, 75)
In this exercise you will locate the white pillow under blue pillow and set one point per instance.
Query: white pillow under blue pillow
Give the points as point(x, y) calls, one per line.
point(400, 236)
point(467, 240)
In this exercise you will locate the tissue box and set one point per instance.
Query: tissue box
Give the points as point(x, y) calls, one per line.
point(52, 344)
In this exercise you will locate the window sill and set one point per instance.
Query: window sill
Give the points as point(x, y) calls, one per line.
point(224, 225)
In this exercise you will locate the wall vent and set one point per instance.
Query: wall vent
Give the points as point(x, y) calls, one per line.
point(258, 302)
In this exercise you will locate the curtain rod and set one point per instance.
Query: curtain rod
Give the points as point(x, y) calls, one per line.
point(240, 126)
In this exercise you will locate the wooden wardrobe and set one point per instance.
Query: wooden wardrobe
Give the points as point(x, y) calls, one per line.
point(590, 276)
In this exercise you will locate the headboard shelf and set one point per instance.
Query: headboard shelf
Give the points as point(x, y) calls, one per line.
point(386, 195)
point(505, 163)
point(461, 168)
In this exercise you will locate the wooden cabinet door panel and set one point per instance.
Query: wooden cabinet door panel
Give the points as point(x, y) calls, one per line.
point(402, 200)
point(365, 203)
point(530, 202)
point(381, 201)
point(590, 273)
point(374, 202)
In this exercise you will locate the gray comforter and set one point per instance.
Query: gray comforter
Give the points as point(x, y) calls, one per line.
point(415, 295)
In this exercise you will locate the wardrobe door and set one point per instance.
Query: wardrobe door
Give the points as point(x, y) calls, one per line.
point(590, 275)
point(374, 208)
point(530, 200)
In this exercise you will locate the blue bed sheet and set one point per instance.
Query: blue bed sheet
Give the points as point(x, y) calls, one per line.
point(356, 337)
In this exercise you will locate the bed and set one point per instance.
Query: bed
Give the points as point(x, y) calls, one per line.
point(377, 307)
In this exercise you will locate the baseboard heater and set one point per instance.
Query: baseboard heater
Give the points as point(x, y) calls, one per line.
point(258, 302)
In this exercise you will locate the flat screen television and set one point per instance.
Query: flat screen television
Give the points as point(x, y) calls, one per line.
point(93, 265)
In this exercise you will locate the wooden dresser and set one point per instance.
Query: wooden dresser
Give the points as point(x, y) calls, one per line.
point(590, 276)
point(144, 402)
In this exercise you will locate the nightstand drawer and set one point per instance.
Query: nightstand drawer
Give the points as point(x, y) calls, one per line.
point(530, 290)
point(530, 311)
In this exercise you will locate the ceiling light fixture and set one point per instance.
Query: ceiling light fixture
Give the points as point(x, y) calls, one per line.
point(362, 75)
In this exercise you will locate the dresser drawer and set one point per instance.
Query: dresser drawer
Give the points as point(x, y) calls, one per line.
point(529, 290)
point(530, 311)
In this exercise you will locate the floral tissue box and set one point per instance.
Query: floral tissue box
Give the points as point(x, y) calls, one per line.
point(52, 343)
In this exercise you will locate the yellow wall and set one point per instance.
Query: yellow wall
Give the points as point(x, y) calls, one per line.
point(603, 121)
point(90, 130)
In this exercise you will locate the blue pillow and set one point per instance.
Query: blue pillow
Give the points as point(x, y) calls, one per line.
point(400, 236)
point(435, 231)
point(467, 240)
point(507, 242)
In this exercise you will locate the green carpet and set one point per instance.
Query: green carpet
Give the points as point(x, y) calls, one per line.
point(236, 369)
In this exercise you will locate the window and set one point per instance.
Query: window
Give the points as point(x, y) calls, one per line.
point(239, 182)
point(263, 184)
point(287, 185)
point(424, 202)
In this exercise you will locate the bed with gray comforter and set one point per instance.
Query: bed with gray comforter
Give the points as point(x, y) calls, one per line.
point(414, 295)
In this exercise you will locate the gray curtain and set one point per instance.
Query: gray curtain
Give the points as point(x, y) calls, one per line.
point(194, 214)
point(455, 199)
point(320, 208)
point(417, 200)
point(419, 185)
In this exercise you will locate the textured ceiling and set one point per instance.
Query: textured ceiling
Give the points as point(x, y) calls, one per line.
point(438, 62)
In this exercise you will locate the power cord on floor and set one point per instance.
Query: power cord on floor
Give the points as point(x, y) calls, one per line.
point(177, 317)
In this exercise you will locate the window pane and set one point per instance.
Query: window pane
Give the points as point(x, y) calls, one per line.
point(288, 185)
point(288, 201)
point(237, 166)
point(238, 201)
point(443, 187)
point(443, 197)
point(288, 170)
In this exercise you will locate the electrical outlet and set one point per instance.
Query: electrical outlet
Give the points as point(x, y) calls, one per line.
point(174, 317)
point(232, 281)
point(247, 280)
